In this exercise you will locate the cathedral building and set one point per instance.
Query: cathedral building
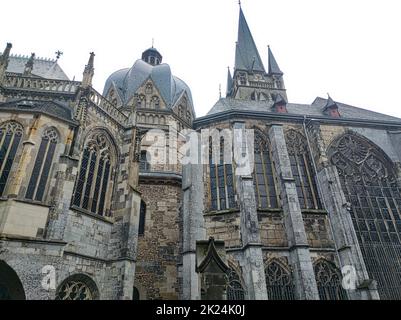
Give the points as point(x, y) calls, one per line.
point(89, 210)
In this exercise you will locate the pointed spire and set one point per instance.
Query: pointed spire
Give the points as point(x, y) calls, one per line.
point(229, 82)
point(6, 54)
point(4, 58)
point(29, 65)
point(273, 65)
point(88, 72)
point(246, 56)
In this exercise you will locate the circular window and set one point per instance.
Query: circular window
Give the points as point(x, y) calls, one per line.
point(78, 287)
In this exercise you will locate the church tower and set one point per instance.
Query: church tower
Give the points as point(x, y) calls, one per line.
point(250, 80)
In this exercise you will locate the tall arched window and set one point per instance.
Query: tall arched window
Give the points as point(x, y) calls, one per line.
point(302, 170)
point(329, 283)
point(279, 282)
point(144, 164)
point(369, 184)
point(93, 186)
point(10, 138)
point(235, 290)
point(43, 163)
point(221, 180)
point(265, 179)
point(142, 218)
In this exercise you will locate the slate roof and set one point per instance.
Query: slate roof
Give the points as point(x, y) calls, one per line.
point(44, 68)
point(51, 108)
point(311, 110)
point(246, 55)
point(128, 81)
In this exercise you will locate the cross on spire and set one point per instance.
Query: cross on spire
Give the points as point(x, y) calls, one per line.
point(58, 54)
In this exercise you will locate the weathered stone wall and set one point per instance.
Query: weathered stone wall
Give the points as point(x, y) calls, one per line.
point(159, 248)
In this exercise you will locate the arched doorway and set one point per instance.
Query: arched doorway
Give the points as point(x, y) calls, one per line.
point(10, 285)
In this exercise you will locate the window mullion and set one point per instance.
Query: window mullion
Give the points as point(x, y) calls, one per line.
point(7, 153)
point(101, 186)
point(86, 177)
point(93, 184)
point(265, 179)
point(311, 184)
point(41, 169)
point(301, 180)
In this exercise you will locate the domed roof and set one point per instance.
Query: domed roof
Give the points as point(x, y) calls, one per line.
point(128, 81)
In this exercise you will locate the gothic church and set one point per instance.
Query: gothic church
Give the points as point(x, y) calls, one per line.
point(84, 213)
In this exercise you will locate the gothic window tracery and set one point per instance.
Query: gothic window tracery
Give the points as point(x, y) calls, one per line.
point(221, 180)
point(329, 281)
point(369, 183)
point(265, 178)
point(235, 290)
point(43, 163)
point(279, 282)
point(77, 287)
point(10, 137)
point(94, 182)
point(302, 170)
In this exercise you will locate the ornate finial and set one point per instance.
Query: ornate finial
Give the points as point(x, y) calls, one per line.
point(58, 54)
point(239, 3)
point(153, 42)
point(219, 90)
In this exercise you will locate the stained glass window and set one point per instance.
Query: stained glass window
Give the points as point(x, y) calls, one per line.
point(43, 162)
point(77, 287)
point(302, 170)
point(235, 290)
point(370, 186)
point(222, 191)
point(10, 138)
point(329, 283)
point(94, 177)
point(265, 179)
point(279, 282)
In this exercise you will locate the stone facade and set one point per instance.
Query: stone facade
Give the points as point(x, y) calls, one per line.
point(96, 202)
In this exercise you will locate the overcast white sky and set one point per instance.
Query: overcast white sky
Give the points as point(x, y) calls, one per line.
point(349, 48)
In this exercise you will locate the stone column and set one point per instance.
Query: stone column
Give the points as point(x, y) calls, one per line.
point(124, 246)
point(300, 259)
point(253, 268)
point(63, 190)
point(193, 227)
